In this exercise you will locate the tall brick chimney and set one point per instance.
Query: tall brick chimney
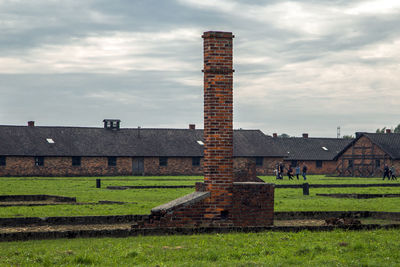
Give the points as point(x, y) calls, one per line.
point(218, 118)
point(220, 200)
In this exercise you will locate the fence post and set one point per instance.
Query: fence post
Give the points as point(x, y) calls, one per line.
point(98, 183)
point(306, 189)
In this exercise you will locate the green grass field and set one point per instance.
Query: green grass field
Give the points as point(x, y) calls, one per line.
point(84, 189)
point(337, 248)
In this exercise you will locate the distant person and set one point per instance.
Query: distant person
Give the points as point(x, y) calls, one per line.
point(305, 172)
point(386, 172)
point(392, 173)
point(278, 175)
point(281, 169)
point(297, 171)
point(290, 173)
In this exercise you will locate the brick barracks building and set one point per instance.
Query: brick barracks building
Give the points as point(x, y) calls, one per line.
point(368, 153)
point(318, 154)
point(110, 150)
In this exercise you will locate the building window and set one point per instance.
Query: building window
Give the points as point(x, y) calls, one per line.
point(112, 161)
point(76, 161)
point(39, 161)
point(196, 161)
point(163, 161)
point(350, 163)
point(318, 163)
point(293, 163)
point(377, 163)
point(259, 161)
point(2, 161)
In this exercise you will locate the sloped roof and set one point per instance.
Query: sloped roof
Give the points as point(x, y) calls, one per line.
point(297, 148)
point(388, 142)
point(85, 141)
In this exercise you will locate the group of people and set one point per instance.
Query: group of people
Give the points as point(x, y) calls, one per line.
point(280, 169)
point(390, 173)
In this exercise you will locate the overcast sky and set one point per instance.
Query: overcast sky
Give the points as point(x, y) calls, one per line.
point(300, 66)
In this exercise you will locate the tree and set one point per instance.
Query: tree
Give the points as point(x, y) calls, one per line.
point(397, 129)
point(348, 136)
point(381, 130)
point(284, 135)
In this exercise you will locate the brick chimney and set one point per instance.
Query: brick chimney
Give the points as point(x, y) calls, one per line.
point(192, 126)
point(220, 200)
point(388, 131)
point(31, 123)
point(275, 135)
point(305, 135)
point(218, 120)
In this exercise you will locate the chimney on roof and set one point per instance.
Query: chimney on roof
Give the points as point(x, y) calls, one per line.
point(388, 131)
point(305, 135)
point(275, 135)
point(31, 123)
point(192, 126)
point(110, 124)
point(358, 134)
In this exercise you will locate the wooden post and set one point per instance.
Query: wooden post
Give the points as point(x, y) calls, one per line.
point(306, 189)
point(98, 183)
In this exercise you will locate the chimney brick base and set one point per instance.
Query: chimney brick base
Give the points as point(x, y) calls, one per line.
point(252, 205)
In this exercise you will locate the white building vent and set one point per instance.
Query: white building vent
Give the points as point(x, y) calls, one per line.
point(50, 140)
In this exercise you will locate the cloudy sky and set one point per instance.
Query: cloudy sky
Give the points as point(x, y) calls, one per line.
point(300, 66)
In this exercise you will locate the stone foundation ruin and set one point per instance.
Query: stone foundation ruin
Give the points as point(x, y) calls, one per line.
point(226, 198)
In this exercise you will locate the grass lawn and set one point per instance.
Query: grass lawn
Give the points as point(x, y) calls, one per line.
point(84, 189)
point(337, 248)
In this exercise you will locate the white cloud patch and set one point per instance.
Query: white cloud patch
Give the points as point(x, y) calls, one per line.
point(116, 52)
point(301, 66)
point(374, 7)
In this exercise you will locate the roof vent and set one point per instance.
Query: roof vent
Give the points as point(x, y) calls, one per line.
point(324, 148)
point(111, 124)
point(358, 134)
point(50, 140)
point(200, 143)
point(31, 123)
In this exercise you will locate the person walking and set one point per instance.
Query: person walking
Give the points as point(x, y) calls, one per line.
point(305, 172)
point(392, 173)
point(278, 175)
point(297, 171)
point(290, 173)
point(386, 172)
point(281, 169)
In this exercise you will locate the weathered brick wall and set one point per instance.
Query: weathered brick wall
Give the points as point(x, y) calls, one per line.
point(328, 166)
point(62, 166)
point(267, 167)
point(252, 205)
point(97, 166)
point(175, 166)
